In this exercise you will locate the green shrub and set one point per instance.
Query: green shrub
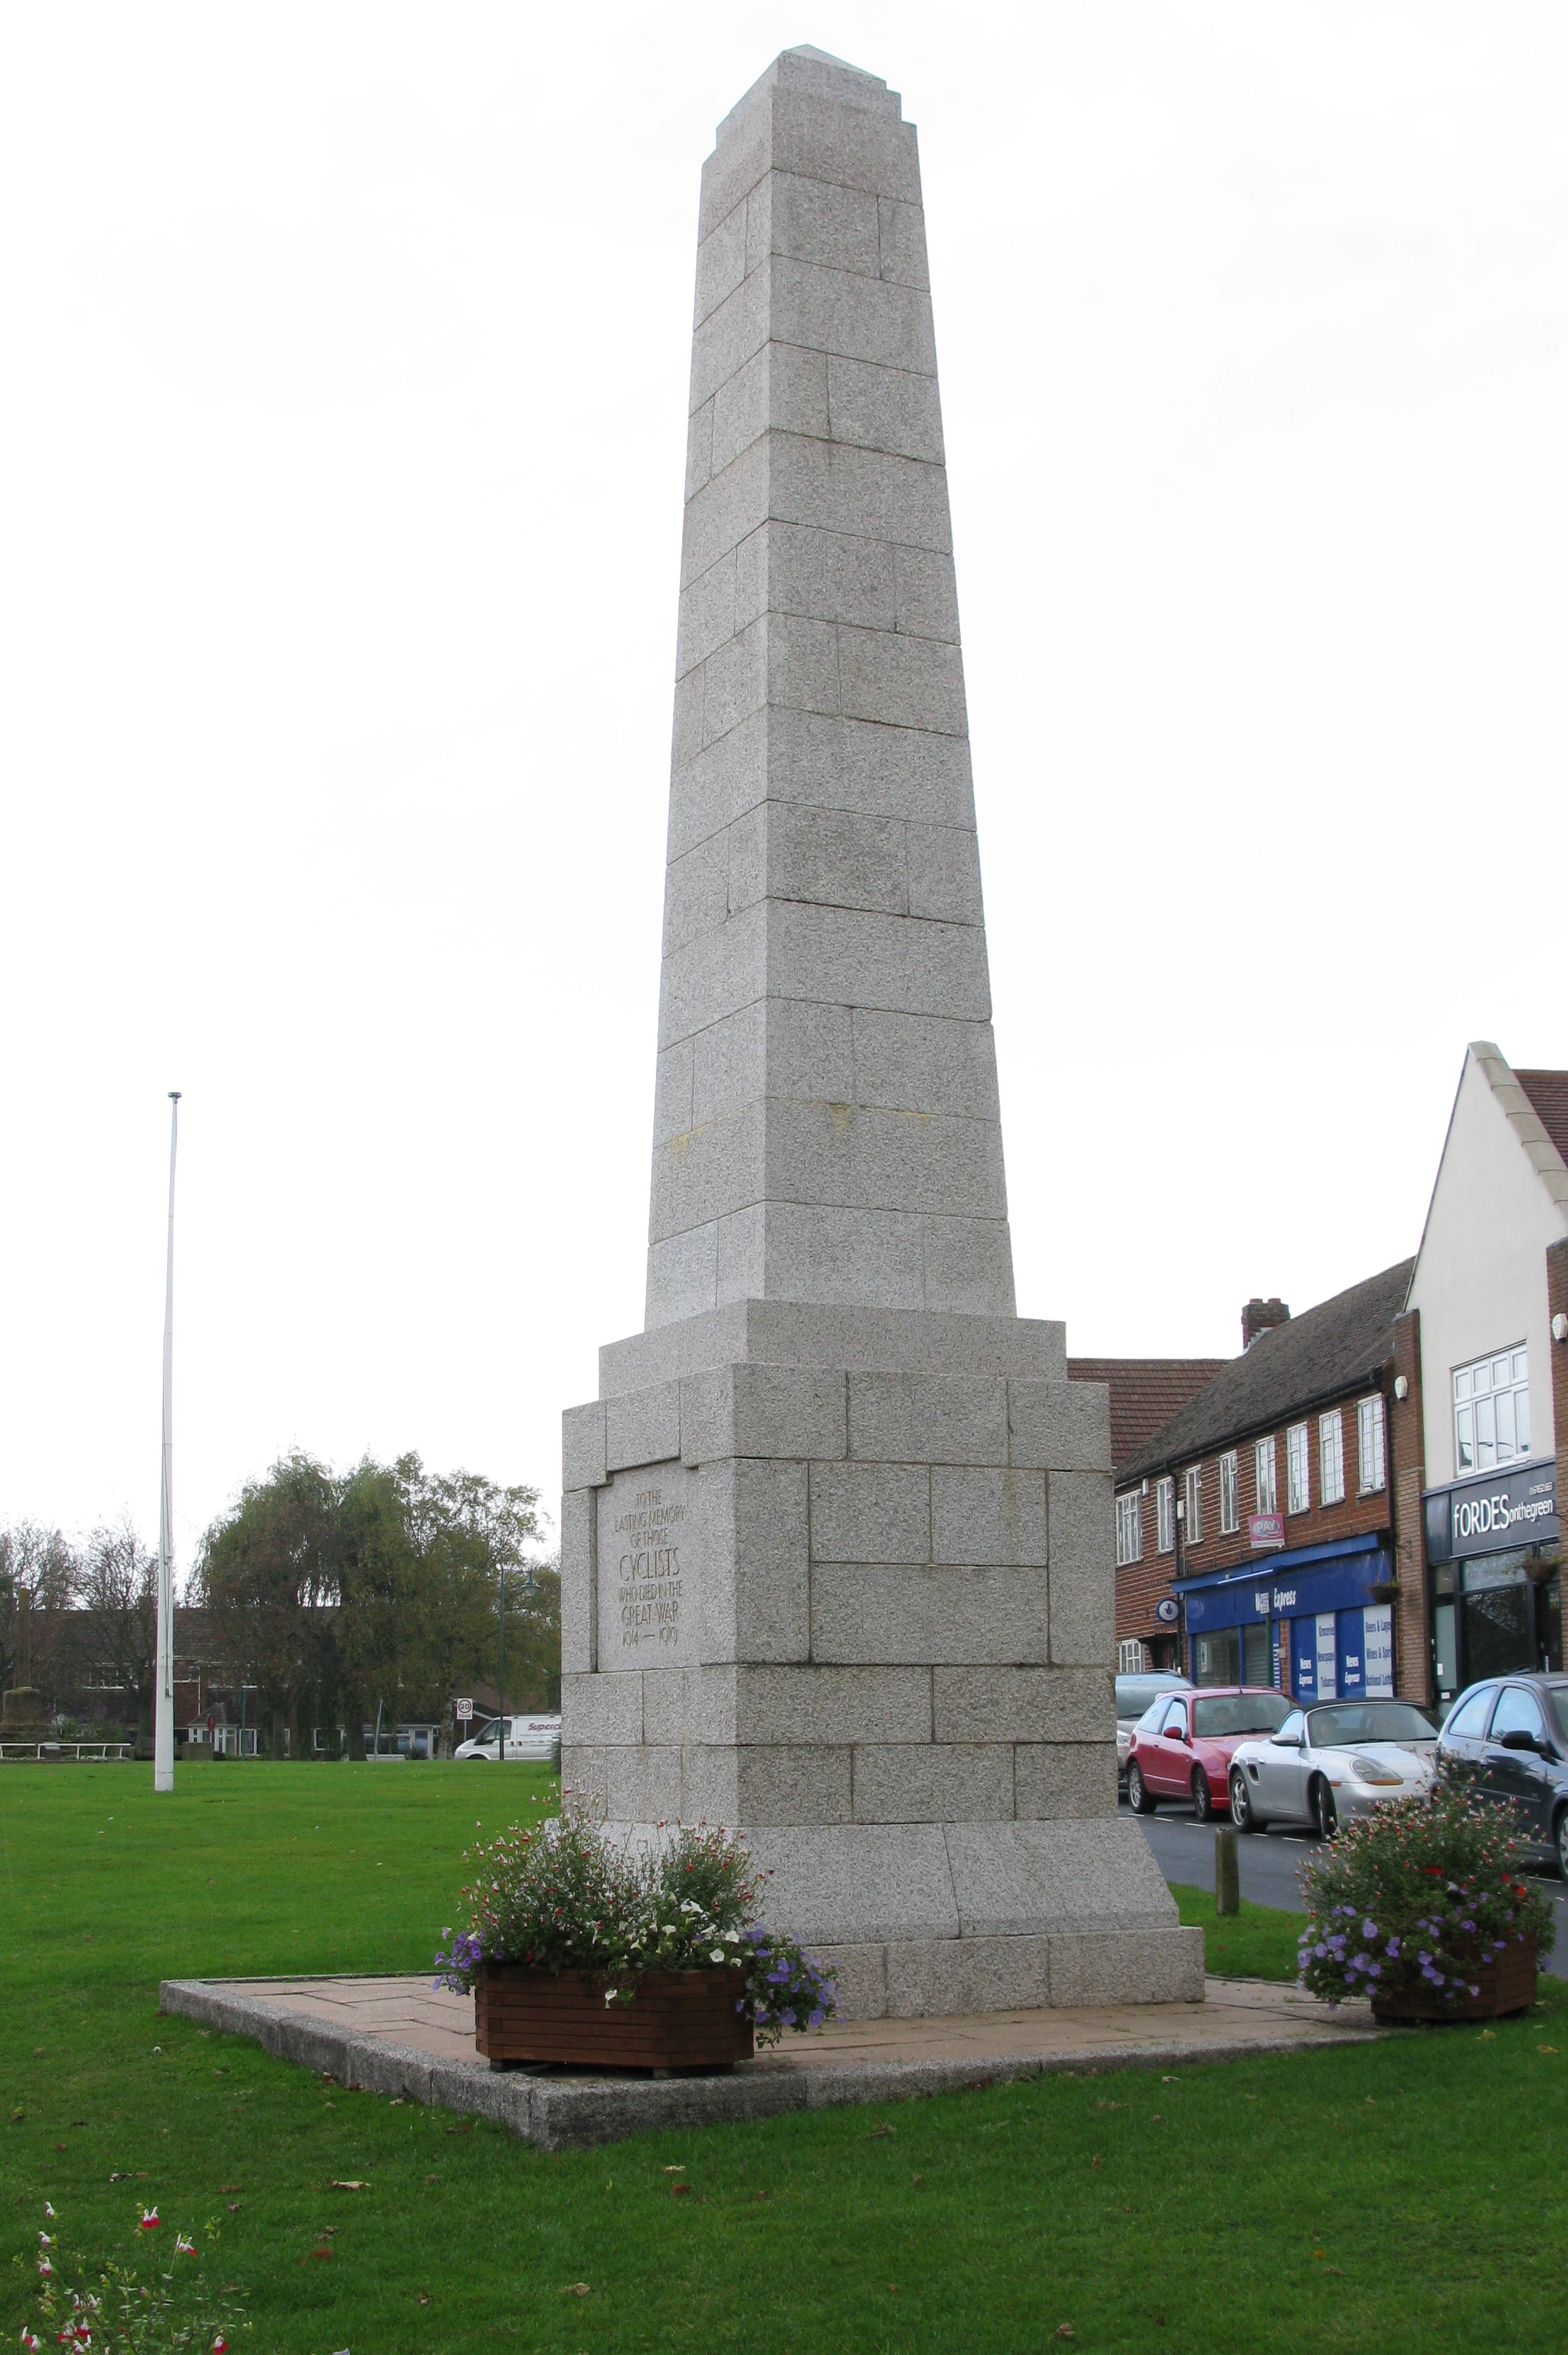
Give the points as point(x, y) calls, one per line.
point(1421, 1893)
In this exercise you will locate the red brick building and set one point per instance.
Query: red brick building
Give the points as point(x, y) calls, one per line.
point(1255, 1530)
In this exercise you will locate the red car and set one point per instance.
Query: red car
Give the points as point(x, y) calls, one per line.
point(1181, 1745)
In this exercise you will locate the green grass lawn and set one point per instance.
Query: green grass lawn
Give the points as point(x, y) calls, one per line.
point(1258, 1943)
point(1410, 2196)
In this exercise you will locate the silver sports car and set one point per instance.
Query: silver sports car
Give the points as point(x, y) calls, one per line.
point(1332, 1762)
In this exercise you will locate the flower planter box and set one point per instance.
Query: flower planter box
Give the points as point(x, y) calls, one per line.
point(678, 2020)
point(1507, 1985)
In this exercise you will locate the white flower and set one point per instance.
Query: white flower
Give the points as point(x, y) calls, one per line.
point(733, 1938)
point(48, 2208)
point(689, 1905)
point(717, 1955)
point(183, 2248)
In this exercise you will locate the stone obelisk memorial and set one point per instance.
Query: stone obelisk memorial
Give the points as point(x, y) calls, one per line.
point(837, 1534)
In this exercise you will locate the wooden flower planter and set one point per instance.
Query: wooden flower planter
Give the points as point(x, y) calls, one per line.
point(1507, 1985)
point(678, 2020)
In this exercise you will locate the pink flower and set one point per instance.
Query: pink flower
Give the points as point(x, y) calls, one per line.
point(183, 2248)
point(44, 2266)
point(149, 2220)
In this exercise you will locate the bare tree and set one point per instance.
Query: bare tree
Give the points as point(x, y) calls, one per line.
point(117, 1632)
point(39, 1574)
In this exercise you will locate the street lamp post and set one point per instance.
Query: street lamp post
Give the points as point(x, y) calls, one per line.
point(164, 1723)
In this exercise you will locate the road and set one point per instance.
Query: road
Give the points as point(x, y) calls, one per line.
point(1269, 1861)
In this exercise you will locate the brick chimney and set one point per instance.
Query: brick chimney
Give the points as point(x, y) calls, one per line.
point(1258, 1315)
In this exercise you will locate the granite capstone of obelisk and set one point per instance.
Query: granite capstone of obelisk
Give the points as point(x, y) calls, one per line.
point(836, 1532)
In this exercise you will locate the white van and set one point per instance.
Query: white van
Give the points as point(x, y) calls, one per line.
point(538, 1737)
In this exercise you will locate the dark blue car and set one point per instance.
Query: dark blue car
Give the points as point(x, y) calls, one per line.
point(1512, 1734)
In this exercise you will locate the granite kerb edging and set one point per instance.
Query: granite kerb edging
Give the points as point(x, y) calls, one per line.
point(563, 2116)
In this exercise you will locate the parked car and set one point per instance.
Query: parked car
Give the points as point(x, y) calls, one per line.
point(1181, 1746)
point(1327, 1763)
point(1512, 1734)
point(526, 1737)
point(1134, 1694)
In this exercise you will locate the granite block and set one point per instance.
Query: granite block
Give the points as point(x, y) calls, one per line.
point(755, 1570)
point(735, 682)
point(810, 1255)
point(1158, 1966)
point(582, 1462)
point(902, 242)
point(836, 857)
point(707, 614)
point(697, 893)
point(832, 1706)
point(875, 407)
point(1059, 1426)
point(945, 874)
point(738, 162)
point(1022, 1704)
point(721, 263)
point(728, 508)
point(940, 1976)
point(856, 764)
point(779, 1784)
point(579, 1601)
point(913, 1612)
point(736, 328)
point(642, 1427)
point(861, 1980)
point(673, 1091)
point(870, 1512)
point(699, 443)
point(923, 1063)
point(934, 1783)
point(850, 957)
point(901, 682)
point(838, 487)
point(642, 1785)
point(836, 1335)
point(856, 1157)
point(857, 1883)
point(929, 1418)
point(762, 1411)
point(710, 791)
point(802, 662)
point(1016, 1879)
point(987, 1515)
point(925, 595)
point(830, 575)
point(682, 1276)
point(793, 1048)
point(816, 220)
point(713, 1170)
point(820, 139)
point(743, 1254)
point(720, 972)
point(1058, 1779)
point(1083, 1575)
point(602, 1711)
point(682, 1707)
point(968, 1267)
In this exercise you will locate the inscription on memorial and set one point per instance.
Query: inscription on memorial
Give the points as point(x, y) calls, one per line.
point(648, 1600)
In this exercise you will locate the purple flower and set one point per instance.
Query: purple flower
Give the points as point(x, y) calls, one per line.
point(1369, 1929)
point(818, 2017)
point(1393, 1950)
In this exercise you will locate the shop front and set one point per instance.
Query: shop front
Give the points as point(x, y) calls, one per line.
point(1317, 1623)
point(1494, 1559)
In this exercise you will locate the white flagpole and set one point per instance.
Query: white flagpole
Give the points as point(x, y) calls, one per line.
point(164, 1733)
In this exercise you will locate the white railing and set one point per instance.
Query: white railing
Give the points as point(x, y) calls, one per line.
point(96, 1752)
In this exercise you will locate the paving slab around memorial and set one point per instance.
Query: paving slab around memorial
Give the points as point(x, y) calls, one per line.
point(403, 2036)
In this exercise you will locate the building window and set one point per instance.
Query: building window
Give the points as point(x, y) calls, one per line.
point(1369, 1444)
point(1230, 1513)
point(1165, 1514)
point(1262, 1461)
point(1331, 1458)
point(1298, 1471)
point(1194, 1504)
point(1491, 1411)
point(1130, 1658)
point(1130, 1528)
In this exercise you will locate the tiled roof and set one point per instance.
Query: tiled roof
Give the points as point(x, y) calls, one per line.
point(1548, 1093)
point(1145, 1392)
point(1342, 1342)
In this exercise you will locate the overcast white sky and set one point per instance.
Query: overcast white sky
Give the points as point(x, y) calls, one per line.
point(342, 431)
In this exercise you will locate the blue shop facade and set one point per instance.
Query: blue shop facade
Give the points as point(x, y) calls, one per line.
point(1317, 1623)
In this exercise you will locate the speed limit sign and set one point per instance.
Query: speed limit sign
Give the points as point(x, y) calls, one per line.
point(465, 1709)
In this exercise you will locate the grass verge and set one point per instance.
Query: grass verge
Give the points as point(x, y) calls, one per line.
point(1410, 2194)
point(1258, 1943)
